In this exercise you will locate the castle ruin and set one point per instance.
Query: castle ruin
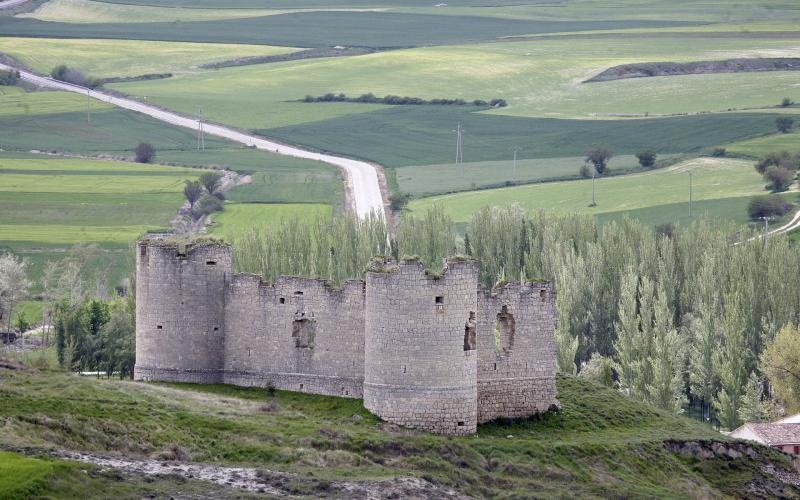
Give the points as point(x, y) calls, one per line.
point(437, 353)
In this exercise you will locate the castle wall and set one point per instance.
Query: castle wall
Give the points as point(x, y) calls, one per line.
point(298, 334)
point(417, 372)
point(180, 312)
point(516, 351)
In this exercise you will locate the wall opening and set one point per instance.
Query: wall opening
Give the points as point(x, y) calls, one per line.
point(504, 331)
point(159, 327)
point(440, 299)
point(281, 300)
point(461, 424)
point(543, 294)
point(216, 328)
point(143, 250)
point(303, 332)
point(301, 387)
point(470, 333)
point(211, 263)
point(298, 293)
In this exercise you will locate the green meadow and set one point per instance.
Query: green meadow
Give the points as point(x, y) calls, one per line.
point(120, 58)
point(712, 179)
point(760, 146)
point(238, 218)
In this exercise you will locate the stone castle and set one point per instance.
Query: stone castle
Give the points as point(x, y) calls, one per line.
point(437, 353)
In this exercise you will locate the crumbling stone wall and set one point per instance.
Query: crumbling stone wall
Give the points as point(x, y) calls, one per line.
point(298, 334)
point(430, 352)
point(180, 313)
point(516, 350)
point(416, 370)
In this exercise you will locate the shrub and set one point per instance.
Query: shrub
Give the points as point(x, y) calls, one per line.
point(192, 191)
point(211, 181)
point(498, 103)
point(144, 153)
point(781, 159)
point(718, 152)
point(779, 178)
point(10, 77)
point(399, 201)
point(768, 206)
point(666, 229)
point(786, 102)
point(598, 155)
point(647, 158)
point(784, 124)
point(71, 75)
point(599, 369)
point(586, 170)
point(208, 204)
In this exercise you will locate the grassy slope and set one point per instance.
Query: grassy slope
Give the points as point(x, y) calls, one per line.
point(712, 179)
point(240, 217)
point(538, 78)
point(760, 146)
point(600, 444)
point(107, 58)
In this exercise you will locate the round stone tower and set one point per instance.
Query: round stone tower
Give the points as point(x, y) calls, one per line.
point(180, 310)
point(419, 346)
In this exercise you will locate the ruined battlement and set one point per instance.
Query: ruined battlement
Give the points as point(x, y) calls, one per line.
point(429, 351)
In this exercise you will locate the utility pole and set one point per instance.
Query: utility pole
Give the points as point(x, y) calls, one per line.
point(690, 194)
point(766, 227)
point(201, 140)
point(594, 202)
point(88, 105)
point(459, 146)
point(514, 174)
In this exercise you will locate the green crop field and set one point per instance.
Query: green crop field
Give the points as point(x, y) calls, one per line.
point(713, 179)
point(239, 218)
point(760, 146)
point(90, 11)
point(425, 180)
point(323, 29)
point(119, 58)
point(16, 102)
point(538, 78)
point(418, 135)
point(60, 202)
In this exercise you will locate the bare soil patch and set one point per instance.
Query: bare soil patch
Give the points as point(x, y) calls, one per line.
point(650, 69)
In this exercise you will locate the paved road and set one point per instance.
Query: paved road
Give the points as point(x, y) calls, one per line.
point(362, 177)
point(7, 4)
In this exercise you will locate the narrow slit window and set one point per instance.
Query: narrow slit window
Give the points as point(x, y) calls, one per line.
point(142, 250)
point(298, 294)
point(282, 300)
point(543, 294)
point(440, 300)
point(461, 424)
point(159, 327)
point(211, 263)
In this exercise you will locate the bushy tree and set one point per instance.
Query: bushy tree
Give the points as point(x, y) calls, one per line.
point(211, 181)
point(768, 206)
point(730, 361)
point(207, 205)
point(9, 77)
point(778, 178)
point(778, 159)
point(647, 158)
point(784, 124)
point(781, 364)
point(192, 190)
point(786, 102)
point(598, 156)
point(144, 153)
point(599, 369)
point(14, 285)
point(118, 337)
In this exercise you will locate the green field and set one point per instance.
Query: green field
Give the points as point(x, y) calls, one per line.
point(713, 179)
point(600, 444)
point(418, 135)
point(323, 29)
point(239, 218)
point(760, 146)
point(16, 102)
point(117, 58)
point(425, 180)
point(61, 202)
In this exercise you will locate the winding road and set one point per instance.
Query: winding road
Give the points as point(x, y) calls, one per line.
point(361, 178)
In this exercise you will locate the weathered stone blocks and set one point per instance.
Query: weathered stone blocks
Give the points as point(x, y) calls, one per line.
point(430, 352)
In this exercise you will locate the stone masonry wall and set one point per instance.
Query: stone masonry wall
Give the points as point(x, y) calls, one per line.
point(180, 295)
point(417, 372)
point(298, 334)
point(516, 351)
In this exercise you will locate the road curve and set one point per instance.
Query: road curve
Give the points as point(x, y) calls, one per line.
point(362, 177)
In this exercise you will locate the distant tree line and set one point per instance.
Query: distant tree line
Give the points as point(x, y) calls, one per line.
point(395, 100)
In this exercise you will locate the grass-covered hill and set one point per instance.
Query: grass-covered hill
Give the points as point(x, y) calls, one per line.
point(599, 445)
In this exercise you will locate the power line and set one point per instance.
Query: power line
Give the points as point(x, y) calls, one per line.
point(201, 140)
point(459, 145)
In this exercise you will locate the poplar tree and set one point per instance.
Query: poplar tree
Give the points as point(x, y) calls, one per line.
point(667, 359)
point(730, 361)
point(627, 328)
